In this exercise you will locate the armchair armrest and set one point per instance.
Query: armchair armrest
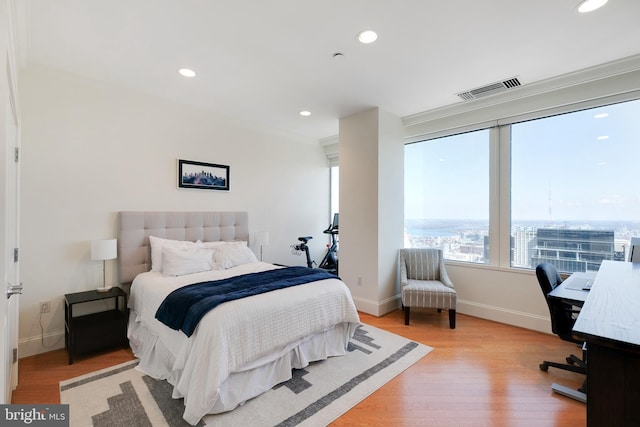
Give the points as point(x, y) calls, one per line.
point(403, 273)
point(444, 277)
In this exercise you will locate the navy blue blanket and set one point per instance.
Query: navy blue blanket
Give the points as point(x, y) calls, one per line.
point(183, 308)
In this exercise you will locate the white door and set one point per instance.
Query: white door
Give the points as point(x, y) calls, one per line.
point(10, 299)
point(9, 206)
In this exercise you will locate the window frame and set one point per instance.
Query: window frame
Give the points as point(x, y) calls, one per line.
point(491, 181)
point(500, 171)
point(333, 185)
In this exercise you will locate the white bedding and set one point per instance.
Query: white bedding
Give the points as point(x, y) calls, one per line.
point(305, 323)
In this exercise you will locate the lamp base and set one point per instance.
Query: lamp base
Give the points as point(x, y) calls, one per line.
point(104, 289)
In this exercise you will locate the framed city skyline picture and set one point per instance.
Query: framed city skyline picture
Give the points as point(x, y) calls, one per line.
point(206, 176)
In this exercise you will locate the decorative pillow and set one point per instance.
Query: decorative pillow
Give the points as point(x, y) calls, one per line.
point(227, 256)
point(180, 261)
point(157, 243)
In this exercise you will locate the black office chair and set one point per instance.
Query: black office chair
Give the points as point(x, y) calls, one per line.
point(562, 321)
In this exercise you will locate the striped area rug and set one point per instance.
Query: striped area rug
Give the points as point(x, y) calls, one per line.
point(315, 396)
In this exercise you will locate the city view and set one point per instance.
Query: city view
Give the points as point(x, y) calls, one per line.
point(570, 246)
point(569, 181)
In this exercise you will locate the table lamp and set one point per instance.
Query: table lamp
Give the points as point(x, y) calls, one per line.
point(102, 250)
point(261, 238)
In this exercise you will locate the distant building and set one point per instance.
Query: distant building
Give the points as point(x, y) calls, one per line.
point(574, 250)
point(524, 243)
point(485, 249)
point(621, 250)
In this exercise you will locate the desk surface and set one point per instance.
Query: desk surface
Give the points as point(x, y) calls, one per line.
point(611, 312)
point(572, 296)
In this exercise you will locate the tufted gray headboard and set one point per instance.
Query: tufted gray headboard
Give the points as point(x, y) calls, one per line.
point(134, 229)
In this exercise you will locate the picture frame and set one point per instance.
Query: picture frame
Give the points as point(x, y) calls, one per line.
point(201, 175)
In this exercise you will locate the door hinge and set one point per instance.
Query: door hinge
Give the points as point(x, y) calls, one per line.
point(15, 355)
point(17, 154)
point(16, 254)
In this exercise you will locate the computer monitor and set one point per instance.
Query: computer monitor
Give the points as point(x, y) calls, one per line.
point(336, 217)
point(634, 250)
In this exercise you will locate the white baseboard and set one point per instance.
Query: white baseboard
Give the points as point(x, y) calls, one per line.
point(483, 311)
point(33, 345)
point(366, 306)
point(503, 315)
point(377, 308)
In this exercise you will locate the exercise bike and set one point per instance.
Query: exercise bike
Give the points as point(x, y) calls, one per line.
point(330, 260)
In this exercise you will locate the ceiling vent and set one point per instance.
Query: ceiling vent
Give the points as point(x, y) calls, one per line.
point(490, 89)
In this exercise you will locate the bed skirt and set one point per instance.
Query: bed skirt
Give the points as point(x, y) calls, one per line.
point(156, 360)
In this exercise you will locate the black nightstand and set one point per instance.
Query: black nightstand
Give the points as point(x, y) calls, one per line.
point(95, 331)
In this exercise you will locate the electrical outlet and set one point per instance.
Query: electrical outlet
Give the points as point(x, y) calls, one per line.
point(45, 306)
point(359, 280)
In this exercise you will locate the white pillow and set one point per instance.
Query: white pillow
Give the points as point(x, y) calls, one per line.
point(227, 256)
point(180, 261)
point(215, 245)
point(157, 243)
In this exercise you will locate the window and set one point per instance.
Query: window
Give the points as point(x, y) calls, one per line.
point(446, 189)
point(564, 190)
point(334, 190)
point(574, 187)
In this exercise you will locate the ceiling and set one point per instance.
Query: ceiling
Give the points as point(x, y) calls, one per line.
point(264, 61)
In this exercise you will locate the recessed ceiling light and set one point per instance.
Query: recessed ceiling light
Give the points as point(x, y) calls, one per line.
point(367, 36)
point(603, 137)
point(305, 113)
point(601, 115)
point(590, 5)
point(187, 72)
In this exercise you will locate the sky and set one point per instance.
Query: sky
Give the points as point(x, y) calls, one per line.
point(582, 166)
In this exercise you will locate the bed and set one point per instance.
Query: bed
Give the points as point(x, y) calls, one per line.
point(241, 348)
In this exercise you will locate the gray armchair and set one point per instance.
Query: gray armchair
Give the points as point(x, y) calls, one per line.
point(424, 283)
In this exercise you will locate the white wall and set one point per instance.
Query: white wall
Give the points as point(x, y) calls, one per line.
point(91, 150)
point(390, 207)
point(504, 295)
point(371, 205)
point(359, 207)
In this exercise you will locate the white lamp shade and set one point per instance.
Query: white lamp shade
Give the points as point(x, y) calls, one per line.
point(261, 238)
point(104, 249)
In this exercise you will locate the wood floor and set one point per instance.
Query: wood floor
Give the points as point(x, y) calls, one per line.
point(480, 374)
